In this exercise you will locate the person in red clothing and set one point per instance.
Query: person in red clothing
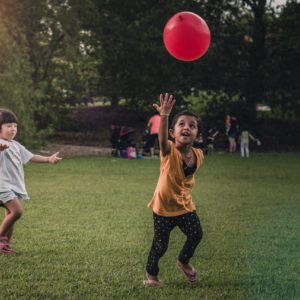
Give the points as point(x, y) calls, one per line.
point(153, 125)
point(172, 202)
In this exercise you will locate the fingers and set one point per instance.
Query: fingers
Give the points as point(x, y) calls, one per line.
point(161, 98)
point(54, 158)
point(156, 106)
point(166, 98)
point(166, 103)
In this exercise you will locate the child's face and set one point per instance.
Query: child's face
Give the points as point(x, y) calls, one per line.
point(185, 130)
point(8, 131)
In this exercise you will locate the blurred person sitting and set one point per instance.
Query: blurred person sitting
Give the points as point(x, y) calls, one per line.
point(212, 133)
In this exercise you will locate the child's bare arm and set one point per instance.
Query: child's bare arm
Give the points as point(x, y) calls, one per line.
point(53, 159)
point(164, 109)
point(252, 137)
point(216, 133)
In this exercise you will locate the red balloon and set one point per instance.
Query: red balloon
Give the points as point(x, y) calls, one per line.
point(186, 36)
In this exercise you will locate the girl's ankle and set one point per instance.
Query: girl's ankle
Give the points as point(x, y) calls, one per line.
point(152, 276)
point(3, 239)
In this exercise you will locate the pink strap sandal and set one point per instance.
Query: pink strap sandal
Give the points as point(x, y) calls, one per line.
point(5, 246)
point(190, 275)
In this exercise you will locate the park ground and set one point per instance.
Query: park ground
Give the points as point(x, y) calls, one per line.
point(86, 232)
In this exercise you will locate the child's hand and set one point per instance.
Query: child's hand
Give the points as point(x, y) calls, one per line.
point(166, 104)
point(54, 159)
point(4, 144)
point(3, 147)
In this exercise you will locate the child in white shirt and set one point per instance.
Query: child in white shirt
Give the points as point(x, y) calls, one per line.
point(13, 156)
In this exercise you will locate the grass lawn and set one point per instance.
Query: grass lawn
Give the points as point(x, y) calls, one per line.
point(86, 232)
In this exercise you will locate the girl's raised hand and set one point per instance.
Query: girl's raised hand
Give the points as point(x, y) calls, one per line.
point(166, 104)
point(54, 159)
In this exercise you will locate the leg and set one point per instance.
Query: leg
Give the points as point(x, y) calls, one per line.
point(151, 143)
point(162, 229)
point(13, 213)
point(230, 145)
point(10, 231)
point(209, 149)
point(242, 149)
point(190, 225)
point(152, 151)
point(233, 145)
point(247, 149)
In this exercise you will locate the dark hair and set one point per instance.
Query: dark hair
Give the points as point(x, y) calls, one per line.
point(186, 113)
point(7, 116)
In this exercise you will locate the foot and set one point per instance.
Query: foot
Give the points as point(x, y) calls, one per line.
point(7, 249)
point(5, 246)
point(188, 271)
point(152, 281)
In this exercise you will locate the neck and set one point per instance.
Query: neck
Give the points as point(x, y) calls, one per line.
point(185, 149)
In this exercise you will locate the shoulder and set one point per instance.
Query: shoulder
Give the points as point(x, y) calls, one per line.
point(172, 148)
point(154, 118)
point(22, 149)
point(17, 144)
point(199, 154)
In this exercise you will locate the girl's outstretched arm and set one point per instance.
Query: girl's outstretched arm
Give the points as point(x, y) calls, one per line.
point(164, 109)
point(53, 159)
point(252, 137)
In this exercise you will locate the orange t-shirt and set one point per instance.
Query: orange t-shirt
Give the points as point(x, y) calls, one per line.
point(172, 196)
point(154, 123)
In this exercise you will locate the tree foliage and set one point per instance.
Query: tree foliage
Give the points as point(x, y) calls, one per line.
point(282, 62)
point(61, 54)
point(15, 77)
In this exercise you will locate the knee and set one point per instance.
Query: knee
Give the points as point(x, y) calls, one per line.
point(17, 213)
point(197, 237)
point(160, 247)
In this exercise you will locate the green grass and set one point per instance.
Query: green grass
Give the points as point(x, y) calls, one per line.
point(86, 232)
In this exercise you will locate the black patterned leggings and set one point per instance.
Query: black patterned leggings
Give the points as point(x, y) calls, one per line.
point(188, 223)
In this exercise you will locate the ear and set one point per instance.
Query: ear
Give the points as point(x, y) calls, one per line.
point(171, 133)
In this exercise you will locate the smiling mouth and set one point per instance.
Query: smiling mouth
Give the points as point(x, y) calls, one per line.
point(187, 134)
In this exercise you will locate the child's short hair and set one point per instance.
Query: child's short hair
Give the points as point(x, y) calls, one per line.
point(7, 116)
point(186, 113)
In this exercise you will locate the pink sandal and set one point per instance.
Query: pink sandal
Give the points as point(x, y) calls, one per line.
point(154, 281)
point(191, 275)
point(5, 246)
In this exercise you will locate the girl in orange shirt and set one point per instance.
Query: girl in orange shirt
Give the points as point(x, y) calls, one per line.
point(172, 202)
